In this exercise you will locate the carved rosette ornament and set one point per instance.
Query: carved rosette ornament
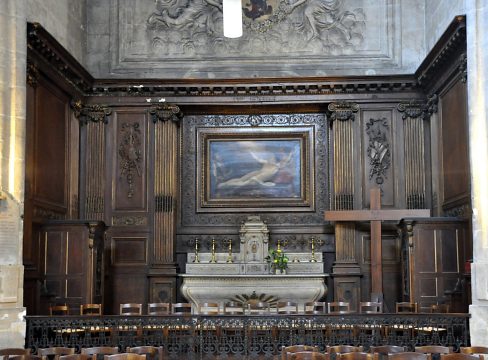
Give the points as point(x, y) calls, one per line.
point(378, 149)
point(94, 113)
point(342, 111)
point(165, 112)
point(130, 154)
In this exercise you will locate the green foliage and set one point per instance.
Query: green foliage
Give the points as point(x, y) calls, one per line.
point(277, 260)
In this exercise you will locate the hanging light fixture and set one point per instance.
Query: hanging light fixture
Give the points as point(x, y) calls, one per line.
point(232, 14)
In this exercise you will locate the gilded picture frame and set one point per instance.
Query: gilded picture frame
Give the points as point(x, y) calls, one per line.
point(255, 169)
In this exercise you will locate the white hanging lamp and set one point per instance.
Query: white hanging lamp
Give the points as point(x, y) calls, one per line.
point(232, 14)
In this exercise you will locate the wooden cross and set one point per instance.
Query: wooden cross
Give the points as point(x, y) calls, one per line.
point(375, 215)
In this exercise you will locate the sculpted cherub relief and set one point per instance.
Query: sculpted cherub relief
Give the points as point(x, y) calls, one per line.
point(270, 25)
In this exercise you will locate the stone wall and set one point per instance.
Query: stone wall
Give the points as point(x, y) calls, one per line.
point(65, 20)
point(438, 15)
point(138, 38)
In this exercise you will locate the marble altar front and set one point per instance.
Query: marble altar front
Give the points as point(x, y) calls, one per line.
point(246, 276)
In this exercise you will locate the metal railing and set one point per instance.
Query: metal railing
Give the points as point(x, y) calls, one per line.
point(246, 336)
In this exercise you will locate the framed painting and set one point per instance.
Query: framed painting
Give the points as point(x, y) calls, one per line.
point(254, 170)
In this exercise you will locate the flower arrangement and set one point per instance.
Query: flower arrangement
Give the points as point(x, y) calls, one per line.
point(277, 259)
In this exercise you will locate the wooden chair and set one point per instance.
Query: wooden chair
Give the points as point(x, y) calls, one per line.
point(59, 310)
point(99, 350)
point(406, 307)
point(473, 350)
point(158, 308)
point(130, 309)
point(355, 355)
point(233, 308)
point(287, 307)
point(125, 356)
point(308, 355)
point(54, 352)
point(433, 349)
point(151, 352)
point(370, 307)
point(286, 351)
point(387, 349)
point(181, 309)
point(17, 353)
point(315, 308)
point(75, 357)
point(338, 307)
point(459, 356)
point(342, 349)
point(408, 356)
point(258, 308)
point(90, 309)
point(208, 308)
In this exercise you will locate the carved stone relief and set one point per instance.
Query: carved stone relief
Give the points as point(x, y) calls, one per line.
point(378, 149)
point(189, 217)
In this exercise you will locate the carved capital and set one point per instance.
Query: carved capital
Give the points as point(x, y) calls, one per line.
point(412, 109)
point(342, 111)
point(165, 112)
point(95, 113)
point(432, 105)
point(32, 74)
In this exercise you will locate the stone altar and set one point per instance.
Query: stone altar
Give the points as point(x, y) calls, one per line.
point(212, 277)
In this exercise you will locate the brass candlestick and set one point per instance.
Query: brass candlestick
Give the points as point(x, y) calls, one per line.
point(197, 257)
point(229, 257)
point(312, 242)
point(213, 259)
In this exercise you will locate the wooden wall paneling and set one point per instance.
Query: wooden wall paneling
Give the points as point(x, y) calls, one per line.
point(454, 148)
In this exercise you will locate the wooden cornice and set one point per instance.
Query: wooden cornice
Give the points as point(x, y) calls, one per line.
point(45, 47)
point(448, 57)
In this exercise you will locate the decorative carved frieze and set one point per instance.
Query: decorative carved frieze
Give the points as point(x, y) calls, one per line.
point(130, 153)
point(378, 149)
point(95, 113)
point(463, 67)
point(129, 220)
point(165, 112)
point(463, 211)
point(32, 74)
point(49, 214)
point(342, 111)
point(43, 44)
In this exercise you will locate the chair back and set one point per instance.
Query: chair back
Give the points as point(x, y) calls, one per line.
point(287, 307)
point(308, 355)
point(91, 309)
point(408, 356)
point(59, 310)
point(233, 308)
point(181, 309)
point(370, 307)
point(258, 308)
point(315, 308)
point(130, 309)
point(286, 351)
point(18, 353)
point(473, 350)
point(99, 350)
point(151, 352)
point(433, 349)
point(55, 352)
point(125, 356)
point(338, 307)
point(342, 349)
point(406, 307)
point(355, 355)
point(158, 308)
point(208, 308)
point(75, 357)
point(386, 349)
